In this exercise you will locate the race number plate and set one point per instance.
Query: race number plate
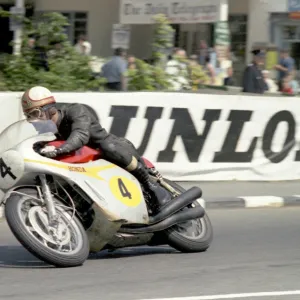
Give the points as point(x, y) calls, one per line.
point(125, 190)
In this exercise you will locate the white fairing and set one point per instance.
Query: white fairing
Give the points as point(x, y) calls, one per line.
point(11, 169)
point(15, 134)
point(114, 190)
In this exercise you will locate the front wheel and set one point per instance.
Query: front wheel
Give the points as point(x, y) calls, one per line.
point(28, 220)
point(191, 236)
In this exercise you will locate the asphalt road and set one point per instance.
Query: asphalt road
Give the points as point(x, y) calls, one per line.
point(242, 188)
point(254, 250)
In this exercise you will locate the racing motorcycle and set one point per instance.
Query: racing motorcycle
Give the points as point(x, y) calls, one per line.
point(63, 209)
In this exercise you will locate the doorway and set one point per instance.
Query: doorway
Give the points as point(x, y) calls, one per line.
point(6, 35)
point(188, 36)
point(295, 54)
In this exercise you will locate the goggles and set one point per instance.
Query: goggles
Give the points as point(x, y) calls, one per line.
point(37, 112)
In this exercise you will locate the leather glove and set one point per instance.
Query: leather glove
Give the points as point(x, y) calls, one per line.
point(51, 151)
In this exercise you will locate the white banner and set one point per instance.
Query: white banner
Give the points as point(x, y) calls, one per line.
point(198, 137)
point(181, 11)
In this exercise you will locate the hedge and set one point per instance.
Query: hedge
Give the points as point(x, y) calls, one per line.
point(66, 70)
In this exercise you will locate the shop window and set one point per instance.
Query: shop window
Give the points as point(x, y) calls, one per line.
point(289, 32)
point(78, 25)
point(183, 42)
point(176, 27)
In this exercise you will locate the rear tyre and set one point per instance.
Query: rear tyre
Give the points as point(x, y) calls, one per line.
point(181, 237)
point(31, 230)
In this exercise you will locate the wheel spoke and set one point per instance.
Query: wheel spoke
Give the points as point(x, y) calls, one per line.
point(31, 228)
point(191, 229)
point(45, 242)
point(35, 218)
point(70, 245)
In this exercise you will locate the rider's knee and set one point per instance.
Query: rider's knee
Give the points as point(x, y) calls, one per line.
point(133, 164)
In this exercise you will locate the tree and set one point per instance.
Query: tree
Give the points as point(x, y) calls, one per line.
point(53, 62)
point(163, 38)
point(154, 77)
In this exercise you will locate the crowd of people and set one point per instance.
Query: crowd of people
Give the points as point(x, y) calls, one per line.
point(177, 67)
point(258, 81)
point(215, 72)
point(41, 55)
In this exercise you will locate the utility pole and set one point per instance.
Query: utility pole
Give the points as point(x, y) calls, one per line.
point(16, 25)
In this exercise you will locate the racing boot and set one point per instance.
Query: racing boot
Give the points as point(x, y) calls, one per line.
point(157, 193)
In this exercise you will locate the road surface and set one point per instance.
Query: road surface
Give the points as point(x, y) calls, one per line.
point(241, 188)
point(254, 250)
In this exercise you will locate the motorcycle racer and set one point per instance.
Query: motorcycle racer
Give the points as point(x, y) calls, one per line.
point(79, 127)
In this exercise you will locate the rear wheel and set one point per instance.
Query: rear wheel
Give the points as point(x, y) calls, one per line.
point(191, 236)
point(27, 218)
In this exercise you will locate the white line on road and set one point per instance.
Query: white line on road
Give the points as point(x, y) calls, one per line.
point(234, 296)
point(265, 201)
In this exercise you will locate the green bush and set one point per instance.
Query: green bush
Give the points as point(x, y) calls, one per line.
point(68, 70)
point(154, 77)
point(163, 38)
point(147, 77)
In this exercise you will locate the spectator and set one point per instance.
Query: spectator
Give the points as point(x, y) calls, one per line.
point(83, 46)
point(227, 69)
point(31, 42)
point(272, 86)
point(253, 81)
point(114, 71)
point(131, 65)
point(178, 71)
point(35, 47)
point(170, 56)
point(210, 71)
point(293, 82)
point(203, 52)
point(289, 84)
point(56, 50)
point(214, 59)
point(286, 66)
point(131, 62)
point(228, 81)
point(194, 60)
point(196, 74)
point(286, 86)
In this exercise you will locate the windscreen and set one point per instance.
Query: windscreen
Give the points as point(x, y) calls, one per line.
point(22, 130)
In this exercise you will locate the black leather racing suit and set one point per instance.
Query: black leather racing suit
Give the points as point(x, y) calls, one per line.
point(78, 127)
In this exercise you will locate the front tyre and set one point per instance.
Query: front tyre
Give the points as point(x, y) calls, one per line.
point(192, 236)
point(28, 221)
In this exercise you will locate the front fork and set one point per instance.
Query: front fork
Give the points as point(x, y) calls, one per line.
point(48, 199)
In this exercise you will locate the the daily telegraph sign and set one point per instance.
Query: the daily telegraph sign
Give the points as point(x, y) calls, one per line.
point(181, 11)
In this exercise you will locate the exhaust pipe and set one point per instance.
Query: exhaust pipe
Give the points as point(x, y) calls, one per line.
point(183, 200)
point(182, 216)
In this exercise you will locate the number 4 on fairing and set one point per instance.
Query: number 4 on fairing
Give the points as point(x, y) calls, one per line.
point(5, 170)
point(123, 190)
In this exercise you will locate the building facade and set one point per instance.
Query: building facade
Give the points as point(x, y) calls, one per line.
point(250, 21)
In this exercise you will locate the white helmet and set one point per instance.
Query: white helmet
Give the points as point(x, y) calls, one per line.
point(35, 98)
